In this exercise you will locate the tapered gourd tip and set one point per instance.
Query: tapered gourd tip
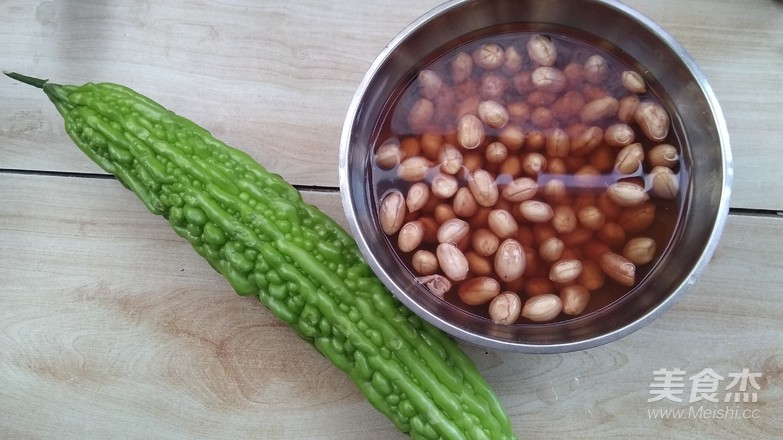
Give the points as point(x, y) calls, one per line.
point(36, 82)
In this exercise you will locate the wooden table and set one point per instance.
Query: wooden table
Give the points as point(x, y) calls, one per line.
point(112, 327)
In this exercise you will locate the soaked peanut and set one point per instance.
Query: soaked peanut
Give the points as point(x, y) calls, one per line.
point(438, 285)
point(479, 290)
point(640, 250)
point(627, 194)
point(521, 169)
point(542, 308)
point(510, 260)
point(485, 242)
point(565, 271)
point(388, 154)
point(502, 223)
point(664, 155)
point(392, 212)
point(483, 187)
point(452, 261)
point(505, 308)
point(410, 236)
point(493, 113)
point(424, 262)
point(470, 132)
point(575, 299)
point(413, 169)
point(618, 268)
point(653, 120)
point(542, 50)
point(665, 184)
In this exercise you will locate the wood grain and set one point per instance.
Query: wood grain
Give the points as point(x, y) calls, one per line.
point(112, 327)
point(276, 79)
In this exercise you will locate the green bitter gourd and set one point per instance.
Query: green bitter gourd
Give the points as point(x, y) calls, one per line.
point(254, 228)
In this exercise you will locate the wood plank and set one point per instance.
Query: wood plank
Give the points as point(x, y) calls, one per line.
point(112, 327)
point(275, 79)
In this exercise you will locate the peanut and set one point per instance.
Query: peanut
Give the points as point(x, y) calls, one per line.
point(443, 212)
point(665, 184)
point(479, 265)
point(424, 262)
point(461, 68)
point(536, 286)
point(549, 79)
point(627, 194)
point(575, 299)
point(505, 308)
point(453, 230)
point(592, 276)
point(493, 113)
point(598, 109)
point(585, 140)
point(640, 250)
point(493, 86)
point(557, 143)
point(450, 159)
point(510, 260)
point(443, 185)
point(619, 135)
point(564, 219)
point(388, 154)
point(629, 159)
point(653, 120)
point(512, 136)
point(633, 82)
point(464, 205)
point(519, 189)
point(533, 163)
point(452, 261)
point(591, 217)
point(429, 84)
point(392, 212)
point(565, 271)
point(551, 249)
point(542, 50)
point(496, 152)
point(555, 191)
point(470, 132)
point(665, 155)
point(417, 196)
point(618, 268)
point(502, 223)
point(438, 285)
point(595, 69)
point(420, 115)
point(410, 236)
point(626, 108)
point(637, 218)
point(485, 242)
point(489, 56)
point(536, 211)
point(479, 290)
point(483, 187)
point(431, 144)
point(542, 308)
point(413, 169)
point(513, 62)
point(612, 234)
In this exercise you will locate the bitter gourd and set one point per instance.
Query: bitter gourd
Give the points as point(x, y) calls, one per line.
point(254, 228)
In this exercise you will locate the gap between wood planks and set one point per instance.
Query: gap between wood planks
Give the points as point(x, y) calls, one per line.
point(323, 189)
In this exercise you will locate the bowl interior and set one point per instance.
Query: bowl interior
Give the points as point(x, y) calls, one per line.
point(696, 119)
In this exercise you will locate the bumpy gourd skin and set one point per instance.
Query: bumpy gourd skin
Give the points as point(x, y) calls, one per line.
point(254, 228)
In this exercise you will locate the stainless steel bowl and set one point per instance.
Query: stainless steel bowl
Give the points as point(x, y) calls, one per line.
point(696, 116)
